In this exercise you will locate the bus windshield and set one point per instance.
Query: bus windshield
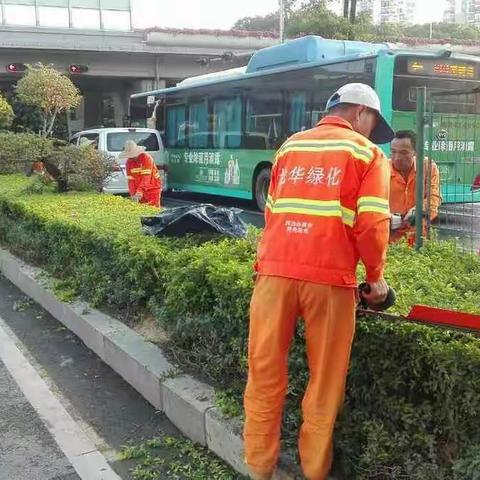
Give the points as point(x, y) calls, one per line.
point(437, 75)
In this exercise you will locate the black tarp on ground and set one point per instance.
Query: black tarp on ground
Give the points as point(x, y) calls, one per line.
point(203, 218)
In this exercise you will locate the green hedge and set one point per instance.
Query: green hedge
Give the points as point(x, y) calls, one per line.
point(19, 150)
point(413, 399)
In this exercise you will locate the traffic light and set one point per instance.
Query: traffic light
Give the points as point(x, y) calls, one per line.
point(76, 69)
point(16, 67)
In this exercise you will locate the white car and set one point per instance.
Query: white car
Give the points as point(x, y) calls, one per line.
point(112, 140)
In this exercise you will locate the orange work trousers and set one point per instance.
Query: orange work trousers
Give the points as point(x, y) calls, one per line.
point(152, 197)
point(329, 315)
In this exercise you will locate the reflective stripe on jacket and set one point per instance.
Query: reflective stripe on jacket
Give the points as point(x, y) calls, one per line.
point(327, 207)
point(142, 175)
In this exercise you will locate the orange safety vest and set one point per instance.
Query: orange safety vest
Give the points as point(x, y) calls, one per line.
point(142, 175)
point(403, 192)
point(403, 198)
point(327, 207)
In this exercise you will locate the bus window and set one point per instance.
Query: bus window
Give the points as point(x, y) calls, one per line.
point(264, 129)
point(176, 126)
point(298, 120)
point(198, 125)
point(227, 130)
point(329, 78)
point(138, 112)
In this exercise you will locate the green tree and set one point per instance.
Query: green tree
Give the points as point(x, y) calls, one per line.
point(50, 91)
point(6, 113)
point(444, 31)
point(268, 23)
point(315, 18)
point(27, 118)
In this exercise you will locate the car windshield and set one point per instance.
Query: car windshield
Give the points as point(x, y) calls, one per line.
point(116, 141)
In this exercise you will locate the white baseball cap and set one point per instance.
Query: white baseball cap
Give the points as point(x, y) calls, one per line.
point(361, 94)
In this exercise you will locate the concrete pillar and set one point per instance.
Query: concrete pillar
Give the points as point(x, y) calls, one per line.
point(77, 119)
point(161, 83)
point(93, 109)
point(120, 106)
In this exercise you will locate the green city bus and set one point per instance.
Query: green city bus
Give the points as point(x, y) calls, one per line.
point(221, 130)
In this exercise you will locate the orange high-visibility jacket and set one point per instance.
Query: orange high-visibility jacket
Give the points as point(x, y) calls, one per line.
point(403, 192)
point(142, 175)
point(327, 207)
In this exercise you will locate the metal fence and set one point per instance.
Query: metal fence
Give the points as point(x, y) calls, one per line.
point(450, 135)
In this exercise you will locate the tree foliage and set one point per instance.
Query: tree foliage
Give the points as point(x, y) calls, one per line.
point(270, 22)
point(19, 150)
point(315, 17)
point(27, 118)
point(6, 113)
point(50, 91)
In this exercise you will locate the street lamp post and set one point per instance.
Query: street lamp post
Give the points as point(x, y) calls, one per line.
point(353, 11)
point(282, 21)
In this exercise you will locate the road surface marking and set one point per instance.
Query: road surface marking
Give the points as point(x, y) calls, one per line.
point(87, 461)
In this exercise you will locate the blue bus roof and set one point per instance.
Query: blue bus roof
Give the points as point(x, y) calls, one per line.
point(296, 54)
point(311, 49)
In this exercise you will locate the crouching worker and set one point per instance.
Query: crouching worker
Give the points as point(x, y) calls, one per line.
point(144, 184)
point(403, 183)
point(327, 208)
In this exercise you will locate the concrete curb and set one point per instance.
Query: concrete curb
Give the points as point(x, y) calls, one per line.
point(187, 402)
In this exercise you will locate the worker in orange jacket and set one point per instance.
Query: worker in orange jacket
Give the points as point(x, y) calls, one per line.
point(144, 183)
point(403, 187)
point(327, 209)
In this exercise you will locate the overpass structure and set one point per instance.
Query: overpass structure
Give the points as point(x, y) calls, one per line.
point(117, 64)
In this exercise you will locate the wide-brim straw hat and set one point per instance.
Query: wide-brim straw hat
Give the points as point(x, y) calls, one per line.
point(85, 141)
point(131, 150)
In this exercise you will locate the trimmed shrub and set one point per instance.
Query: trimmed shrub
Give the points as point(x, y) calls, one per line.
point(79, 168)
point(413, 396)
point(71, 167)
point(19, 150)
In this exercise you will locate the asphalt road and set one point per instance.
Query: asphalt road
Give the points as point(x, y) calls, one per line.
point(460, 222)
point(27, 450)
point(95, 401)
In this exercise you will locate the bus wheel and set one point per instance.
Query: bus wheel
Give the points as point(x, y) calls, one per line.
point(262, 181)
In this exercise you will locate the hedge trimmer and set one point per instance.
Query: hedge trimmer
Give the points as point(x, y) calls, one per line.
point(438, 317)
